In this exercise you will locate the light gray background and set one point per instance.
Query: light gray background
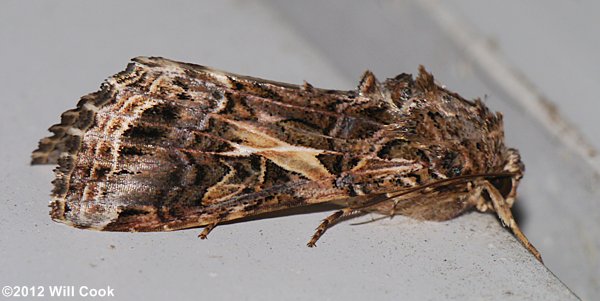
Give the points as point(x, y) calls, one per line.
point(54, 52)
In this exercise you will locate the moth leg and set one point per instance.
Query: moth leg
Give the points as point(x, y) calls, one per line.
point(482, 204)
point(328, 221)
point(502, 208)
point(207, 229)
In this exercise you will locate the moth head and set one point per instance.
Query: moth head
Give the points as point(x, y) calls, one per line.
point(507, 186)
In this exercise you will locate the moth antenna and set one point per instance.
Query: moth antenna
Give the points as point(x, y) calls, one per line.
point(369, 221)
point(455, 180)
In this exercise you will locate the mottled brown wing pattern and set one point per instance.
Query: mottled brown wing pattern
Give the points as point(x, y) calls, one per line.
point(167, 145)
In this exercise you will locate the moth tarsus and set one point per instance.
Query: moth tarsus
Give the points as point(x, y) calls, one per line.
point(207, 229)
point(166, 145)
point(326, 223)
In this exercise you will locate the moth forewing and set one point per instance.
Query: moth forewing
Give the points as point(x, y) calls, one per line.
point(166, 145)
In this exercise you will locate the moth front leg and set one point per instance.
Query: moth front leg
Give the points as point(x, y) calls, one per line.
point(502, 208)
point(327, 222)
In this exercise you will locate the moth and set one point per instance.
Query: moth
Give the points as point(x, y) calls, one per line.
point(165, 145)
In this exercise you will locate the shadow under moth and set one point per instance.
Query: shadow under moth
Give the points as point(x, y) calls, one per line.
point(166, 145)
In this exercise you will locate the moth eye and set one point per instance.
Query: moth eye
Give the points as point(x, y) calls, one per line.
point(504, 185)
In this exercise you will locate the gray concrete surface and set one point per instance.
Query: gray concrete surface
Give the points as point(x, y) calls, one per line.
point(554, 44)
point(54, 52)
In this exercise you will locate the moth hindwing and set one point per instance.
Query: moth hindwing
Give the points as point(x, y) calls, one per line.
point(166, 145)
